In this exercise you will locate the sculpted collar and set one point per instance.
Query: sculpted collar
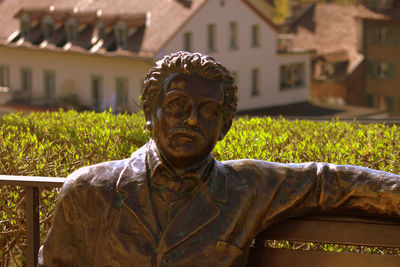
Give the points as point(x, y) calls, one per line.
point(155, 161)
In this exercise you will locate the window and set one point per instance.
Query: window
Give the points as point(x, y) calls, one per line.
point(26, 80)
point(122, 92)
point(4, 76)
point(255, 38)
point(121, 33)
point(327, 70)
point(385, 4)
point(381, 4)
point(292, 76)
point(380, 69)
point(97, 92)
point(233, 44)
point(187, 41)
point(370, 100)
point(211, 37)
point(25, 25)
point(47, 27)
point(380, 35)
point(49, 85)
point(255, 82)
point(71, 29)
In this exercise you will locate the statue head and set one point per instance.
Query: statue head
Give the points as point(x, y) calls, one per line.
point(199, 77)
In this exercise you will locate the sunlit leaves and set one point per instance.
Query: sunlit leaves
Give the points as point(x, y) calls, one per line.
point(374, 146)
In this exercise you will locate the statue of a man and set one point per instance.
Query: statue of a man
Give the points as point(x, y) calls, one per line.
point(173, 204)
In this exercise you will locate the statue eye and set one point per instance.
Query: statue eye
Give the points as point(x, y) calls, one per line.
point(177, 104)
point(209, 111)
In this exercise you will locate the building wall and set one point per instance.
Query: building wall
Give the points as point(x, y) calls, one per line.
point(73, 73)
point(355, 93)
point(328, 91)
point(383, 87)
point(244, 59)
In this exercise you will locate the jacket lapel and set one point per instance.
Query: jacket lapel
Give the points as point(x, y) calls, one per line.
point(202, 209)
point(134, 189)
point(198, 212)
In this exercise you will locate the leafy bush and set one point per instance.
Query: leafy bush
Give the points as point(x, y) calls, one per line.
point(374, 146)
point(57, 143)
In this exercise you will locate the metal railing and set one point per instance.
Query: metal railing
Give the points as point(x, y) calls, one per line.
point(32, 186)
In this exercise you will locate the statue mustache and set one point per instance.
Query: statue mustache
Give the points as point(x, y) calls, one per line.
point(192, 132)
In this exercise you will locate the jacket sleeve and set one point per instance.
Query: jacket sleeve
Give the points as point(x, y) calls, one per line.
point(71, 239)
point(289, 190)
point(60, 246)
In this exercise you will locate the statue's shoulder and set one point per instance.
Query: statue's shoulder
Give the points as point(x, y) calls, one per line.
point(256, 173)
point(252, 166)
point(102, 176)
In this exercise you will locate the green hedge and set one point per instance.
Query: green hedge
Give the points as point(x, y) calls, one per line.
point(375, 145)
point(57, 143)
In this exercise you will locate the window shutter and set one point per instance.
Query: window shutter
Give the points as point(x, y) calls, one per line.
point(390, 35)
point(399, 104)
point(370, 34)
point(390, 70)
point(370, 68)
point(4, 76)
point(388, 4)
point(389, 103)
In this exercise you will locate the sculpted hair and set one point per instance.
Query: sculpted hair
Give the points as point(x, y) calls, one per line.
point(189, 63)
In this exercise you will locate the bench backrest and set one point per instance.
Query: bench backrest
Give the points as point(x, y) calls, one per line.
point(337, 230)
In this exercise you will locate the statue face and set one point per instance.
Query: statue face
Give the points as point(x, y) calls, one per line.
point(188, 119)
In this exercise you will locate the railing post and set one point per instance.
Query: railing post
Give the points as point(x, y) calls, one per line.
point(32, 225)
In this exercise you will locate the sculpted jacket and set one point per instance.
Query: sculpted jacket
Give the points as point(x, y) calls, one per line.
point(105, 215)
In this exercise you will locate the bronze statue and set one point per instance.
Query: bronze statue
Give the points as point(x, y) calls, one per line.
point(173, 204)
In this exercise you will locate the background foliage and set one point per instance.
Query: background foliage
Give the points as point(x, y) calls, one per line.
point(57, 143)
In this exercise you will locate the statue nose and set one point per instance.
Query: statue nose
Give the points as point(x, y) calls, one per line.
point(192, 120)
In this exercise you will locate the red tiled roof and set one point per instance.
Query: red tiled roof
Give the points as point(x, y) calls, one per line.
point(156, 33)
point(255, 10)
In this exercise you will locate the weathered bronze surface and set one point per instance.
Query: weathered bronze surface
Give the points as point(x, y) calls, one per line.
point(173, 204)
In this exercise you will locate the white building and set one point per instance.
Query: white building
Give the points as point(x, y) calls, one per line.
point(98, 53)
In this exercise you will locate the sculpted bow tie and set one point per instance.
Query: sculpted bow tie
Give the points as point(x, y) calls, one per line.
point(172, 187)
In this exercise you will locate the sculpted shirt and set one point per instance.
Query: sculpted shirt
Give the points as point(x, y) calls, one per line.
point(106, 216)
point(172, 188)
